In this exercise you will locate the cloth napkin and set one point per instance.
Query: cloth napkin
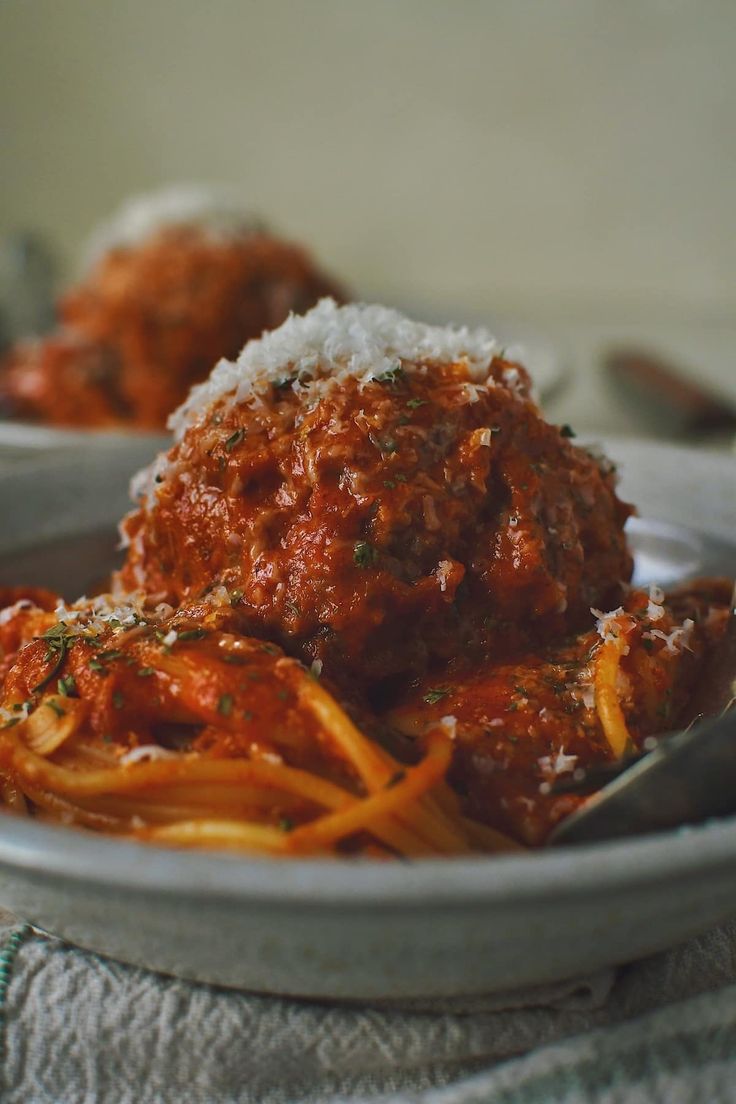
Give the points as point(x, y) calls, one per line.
point(80, 1029)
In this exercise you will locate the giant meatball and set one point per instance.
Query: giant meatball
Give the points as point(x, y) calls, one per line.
point(378, 495)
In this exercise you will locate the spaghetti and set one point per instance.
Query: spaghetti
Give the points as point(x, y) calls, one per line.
point(354, 618)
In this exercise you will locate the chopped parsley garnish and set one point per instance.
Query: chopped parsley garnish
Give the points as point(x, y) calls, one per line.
point(12, 722)
point(567, 431)
point(58, 639)
point(67, 686)
point(364, 554)
point(234, 439)
point(389, 484)
point(435, 694)
point(225, 705)
point(400, 478)
point(55, 707)
point(413, 404)
point(391, 375)
point(100, 668)
point(269, 649)
point(118, 700)
point(192, 634)
point(112, 653)
point(233, 657)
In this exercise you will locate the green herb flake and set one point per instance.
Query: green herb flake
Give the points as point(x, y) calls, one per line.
point(58, 639)
point(234, 658)
point(364, 554)
point(391, 375)
point(269, 649)
point(567, 431)
point(100, 668)
point(414, 404)
point(389, 484)
point(118, 700)
point(12, 722)
point(146, 672)
point(55, 707)
point(225, 705)
point(234, 439)
point(435, 694)
point(67, 686)
point(191, 634)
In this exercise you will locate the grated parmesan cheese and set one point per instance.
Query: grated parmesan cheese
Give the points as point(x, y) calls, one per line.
point(147, 752)
point(330, 343)
point(449, 723)
point(444, 569)
point(322, 347)
point(217, 211)
point(655, 609)
point(9, 612)
point(675, 640)
point(559, 764)
point(102, 613)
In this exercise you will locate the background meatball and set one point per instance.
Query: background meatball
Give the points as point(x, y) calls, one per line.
point(151, 317)
point(378, 521)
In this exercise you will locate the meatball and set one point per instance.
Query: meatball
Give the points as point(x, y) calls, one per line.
point(151, 318)
point(378, 495)
point(65, 380)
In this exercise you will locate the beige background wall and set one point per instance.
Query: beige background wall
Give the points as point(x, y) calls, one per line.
point(539, 156)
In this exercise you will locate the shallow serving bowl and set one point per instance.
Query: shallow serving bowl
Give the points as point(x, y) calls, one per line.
point(365, 930)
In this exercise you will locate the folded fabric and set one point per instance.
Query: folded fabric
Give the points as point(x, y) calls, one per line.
point(81, 1029)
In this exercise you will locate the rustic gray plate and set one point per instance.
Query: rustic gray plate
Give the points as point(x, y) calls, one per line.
point(363, 930)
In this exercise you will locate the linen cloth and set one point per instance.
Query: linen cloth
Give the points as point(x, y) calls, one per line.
point(80, 1029)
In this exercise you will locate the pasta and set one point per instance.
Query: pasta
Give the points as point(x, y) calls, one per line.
point(359, 615)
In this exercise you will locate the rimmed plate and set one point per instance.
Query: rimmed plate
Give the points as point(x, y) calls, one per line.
point(366, 930)
point(18, 438)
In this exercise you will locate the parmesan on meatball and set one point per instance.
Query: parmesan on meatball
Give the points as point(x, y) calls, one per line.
point(377, 494)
